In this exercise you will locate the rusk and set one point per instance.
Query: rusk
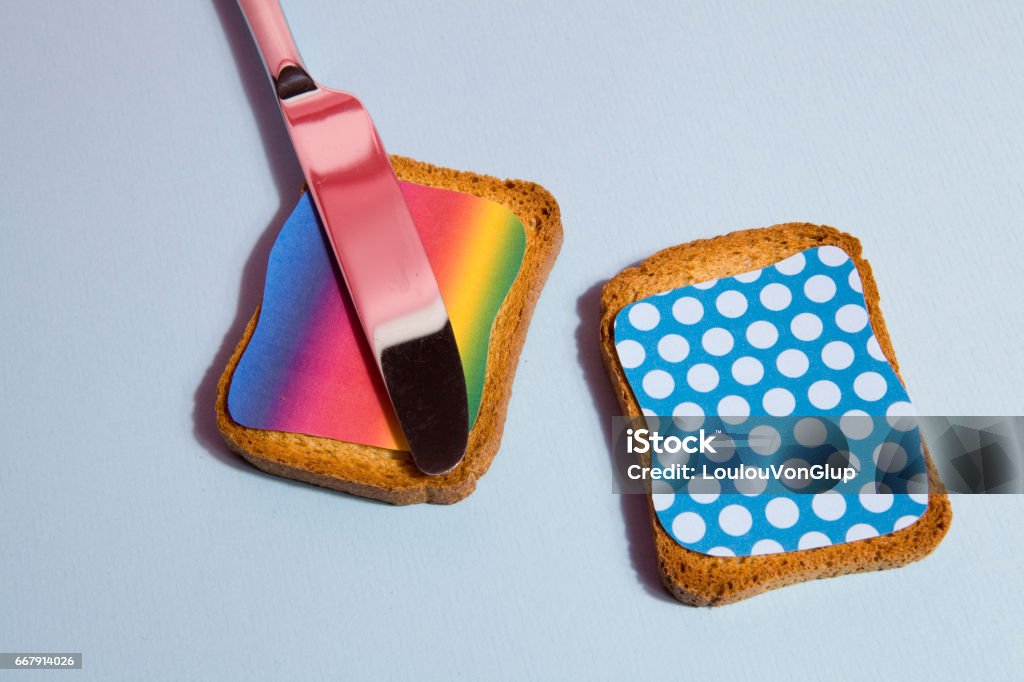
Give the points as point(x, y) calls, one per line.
point(391, 475)
point(704, 580)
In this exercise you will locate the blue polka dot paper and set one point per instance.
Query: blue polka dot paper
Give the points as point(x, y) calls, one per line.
point(793, 341)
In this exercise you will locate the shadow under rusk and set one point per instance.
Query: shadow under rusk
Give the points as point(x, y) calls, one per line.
point(288, 180)
point(635, 514)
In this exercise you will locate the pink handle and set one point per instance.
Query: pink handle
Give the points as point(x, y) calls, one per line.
point(270, 29)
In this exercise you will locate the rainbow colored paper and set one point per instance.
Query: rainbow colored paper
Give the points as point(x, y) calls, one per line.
point(308, 369)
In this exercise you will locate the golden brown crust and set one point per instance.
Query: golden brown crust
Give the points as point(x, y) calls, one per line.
point(390, 475)
point(703, 580)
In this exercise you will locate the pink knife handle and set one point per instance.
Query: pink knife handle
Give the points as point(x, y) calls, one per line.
point(270, 28)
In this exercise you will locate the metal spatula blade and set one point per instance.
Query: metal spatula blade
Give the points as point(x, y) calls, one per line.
point(376, 246)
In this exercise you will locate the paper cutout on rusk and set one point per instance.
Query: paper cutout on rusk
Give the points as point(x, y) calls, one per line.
point(307, 368)
point(793, 338)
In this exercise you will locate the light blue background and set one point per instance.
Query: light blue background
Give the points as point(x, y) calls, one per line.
point(144, 173)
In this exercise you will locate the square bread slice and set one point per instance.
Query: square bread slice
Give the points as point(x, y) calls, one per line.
point(390, 475)
point(704, 580)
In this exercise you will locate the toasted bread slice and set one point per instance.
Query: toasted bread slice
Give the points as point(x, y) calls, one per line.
point(704, 580)
point(391, 475)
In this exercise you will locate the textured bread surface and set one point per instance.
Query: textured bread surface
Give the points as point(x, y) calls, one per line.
point(390, 475)
point(704, 580)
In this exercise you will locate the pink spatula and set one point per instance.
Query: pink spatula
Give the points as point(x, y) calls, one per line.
point(376, 245)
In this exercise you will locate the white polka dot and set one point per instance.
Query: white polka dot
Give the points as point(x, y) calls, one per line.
point(721, 551)
point(874, 502)
point(832, 256)
point(903, 521)
point(917, 486)
point(837, 355)
point(800, 466)
point(855, 282)
point(766, 546)
point(813, 540)
point(840, 459)
point(751, 487)
point(875, 351)
point(702, 377)
point(901, 416)
point(733, 409)
point(820, 288)
point(806, 326)
point(706, 285)
point(828, 506)
point(824, 394)
point(688, 527)
point(687, 310)
point(724, 446)
point(658, 384)
point(747, 371)
point(810, 432)
point(644, 316)
point(792, 265)
point(782, 512)
point(631, 353)
point(856, 424)
point(704, 490)
point(851, 318)
point(670, 460)
point(651, 419)
point(735, 520)
point(778, 402)
point(688, 416)
point(731, 304)
point(717, 341)
point(870, 386)
point(890, 457)
point(860, 531)
point(764, 440)
point(662, 501)
point(792, 363)
point(661, 488)
point(673, 348)
point(762, 334)
point(748, 277)
point(775, 296)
